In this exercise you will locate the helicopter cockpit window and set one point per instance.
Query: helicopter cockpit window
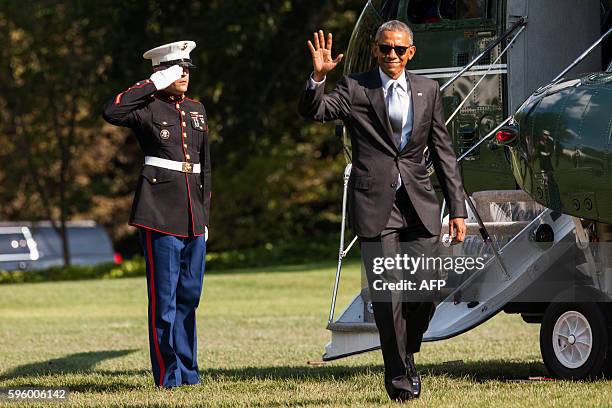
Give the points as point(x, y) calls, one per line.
point(463, 9)
point(435, 11)
point(423, 11)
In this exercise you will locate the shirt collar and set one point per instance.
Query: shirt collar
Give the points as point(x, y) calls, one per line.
point(387, 80)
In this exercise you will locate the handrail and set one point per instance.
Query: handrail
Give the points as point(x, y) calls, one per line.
point(501, 54)
point(579, 59)
point(518, 23)
point(341, 253)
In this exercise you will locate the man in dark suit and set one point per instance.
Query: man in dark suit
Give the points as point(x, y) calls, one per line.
point(391, 116)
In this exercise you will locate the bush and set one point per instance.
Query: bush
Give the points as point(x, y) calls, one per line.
point(129, 268)
point(291, 253)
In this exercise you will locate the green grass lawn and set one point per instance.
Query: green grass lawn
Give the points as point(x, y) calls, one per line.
point(257, 330)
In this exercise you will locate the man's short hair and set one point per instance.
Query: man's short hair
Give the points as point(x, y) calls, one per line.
point(394, 25)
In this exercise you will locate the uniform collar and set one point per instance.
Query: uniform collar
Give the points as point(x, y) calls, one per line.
point(170, 98)
point(387, 81)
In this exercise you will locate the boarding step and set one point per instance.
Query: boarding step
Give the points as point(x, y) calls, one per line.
point(510, 217)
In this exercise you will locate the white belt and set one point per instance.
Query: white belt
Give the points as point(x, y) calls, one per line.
point(184, 167)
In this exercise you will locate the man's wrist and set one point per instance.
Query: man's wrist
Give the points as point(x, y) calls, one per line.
point(318, 77)
point(314, 84)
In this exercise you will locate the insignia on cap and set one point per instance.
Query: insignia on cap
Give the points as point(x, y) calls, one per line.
point(172, 53)
point(164, 134)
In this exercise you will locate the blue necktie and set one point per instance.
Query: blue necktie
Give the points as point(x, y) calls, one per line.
point(394, 107)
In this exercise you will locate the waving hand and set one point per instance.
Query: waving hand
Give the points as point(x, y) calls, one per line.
point(321, 50)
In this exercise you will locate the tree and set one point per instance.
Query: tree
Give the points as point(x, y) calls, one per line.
point(275, 176)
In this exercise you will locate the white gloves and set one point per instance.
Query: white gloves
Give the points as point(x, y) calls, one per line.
point(205, 233)
point(164, 78)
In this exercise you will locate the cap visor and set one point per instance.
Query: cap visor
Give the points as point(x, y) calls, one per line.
point(187, 65)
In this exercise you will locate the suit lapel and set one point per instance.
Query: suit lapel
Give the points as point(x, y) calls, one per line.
point(418, 106)
point(377, 99)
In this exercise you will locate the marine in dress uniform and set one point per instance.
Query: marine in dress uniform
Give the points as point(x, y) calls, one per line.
point(171, 205)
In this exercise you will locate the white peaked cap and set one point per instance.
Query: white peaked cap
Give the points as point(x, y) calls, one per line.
point(171, 54)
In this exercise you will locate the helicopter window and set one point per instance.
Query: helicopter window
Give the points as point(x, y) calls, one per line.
point(434, 11)
point(423, 11)
point(388, 9)
point(463, 9)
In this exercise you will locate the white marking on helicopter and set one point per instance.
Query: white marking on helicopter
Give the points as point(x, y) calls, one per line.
point(451, 71)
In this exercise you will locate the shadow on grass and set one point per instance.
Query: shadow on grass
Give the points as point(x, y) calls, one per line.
point(489, 370)
point(83, 363)
point(86, 379)
point(328, 372)
point(478, 371)
point(78, 364)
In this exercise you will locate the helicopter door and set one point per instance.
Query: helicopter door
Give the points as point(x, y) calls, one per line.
point(448, 35)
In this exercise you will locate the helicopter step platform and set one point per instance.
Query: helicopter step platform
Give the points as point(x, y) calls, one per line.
point(511, 218)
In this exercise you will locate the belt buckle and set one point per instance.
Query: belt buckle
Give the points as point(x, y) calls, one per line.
point(187, 167)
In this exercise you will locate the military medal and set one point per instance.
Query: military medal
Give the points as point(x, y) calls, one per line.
point(164, 134)
point(198, 121)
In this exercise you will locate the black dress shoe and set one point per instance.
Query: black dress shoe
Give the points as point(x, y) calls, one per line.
point(403, 396)
point(412, 373)
point(400, 389)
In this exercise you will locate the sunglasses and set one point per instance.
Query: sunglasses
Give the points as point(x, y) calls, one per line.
point(386, 49)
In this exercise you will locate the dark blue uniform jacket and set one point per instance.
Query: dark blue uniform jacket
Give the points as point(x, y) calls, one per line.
point(171, 128)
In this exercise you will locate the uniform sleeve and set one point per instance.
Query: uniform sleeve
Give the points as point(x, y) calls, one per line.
point(445, 161)
point(123, 109)
point(316, 104)
point(206, 173)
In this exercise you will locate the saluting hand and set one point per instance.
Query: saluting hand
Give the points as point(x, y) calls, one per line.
point(166, 77)
point(322, 61)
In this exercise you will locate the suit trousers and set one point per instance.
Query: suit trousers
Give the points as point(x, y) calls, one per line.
point(175, 273)
point(401, 320)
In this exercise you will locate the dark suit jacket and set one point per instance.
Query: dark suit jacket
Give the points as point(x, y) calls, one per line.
point(176, 129)
point(359, 102)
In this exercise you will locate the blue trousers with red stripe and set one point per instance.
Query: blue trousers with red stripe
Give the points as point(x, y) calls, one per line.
point(175, 271)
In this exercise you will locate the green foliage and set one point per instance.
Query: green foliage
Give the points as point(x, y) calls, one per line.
point(290, 253)
point(129, 268)
point(276, 176)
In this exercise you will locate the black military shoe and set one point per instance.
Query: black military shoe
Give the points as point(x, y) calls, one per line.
point(411, 372)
